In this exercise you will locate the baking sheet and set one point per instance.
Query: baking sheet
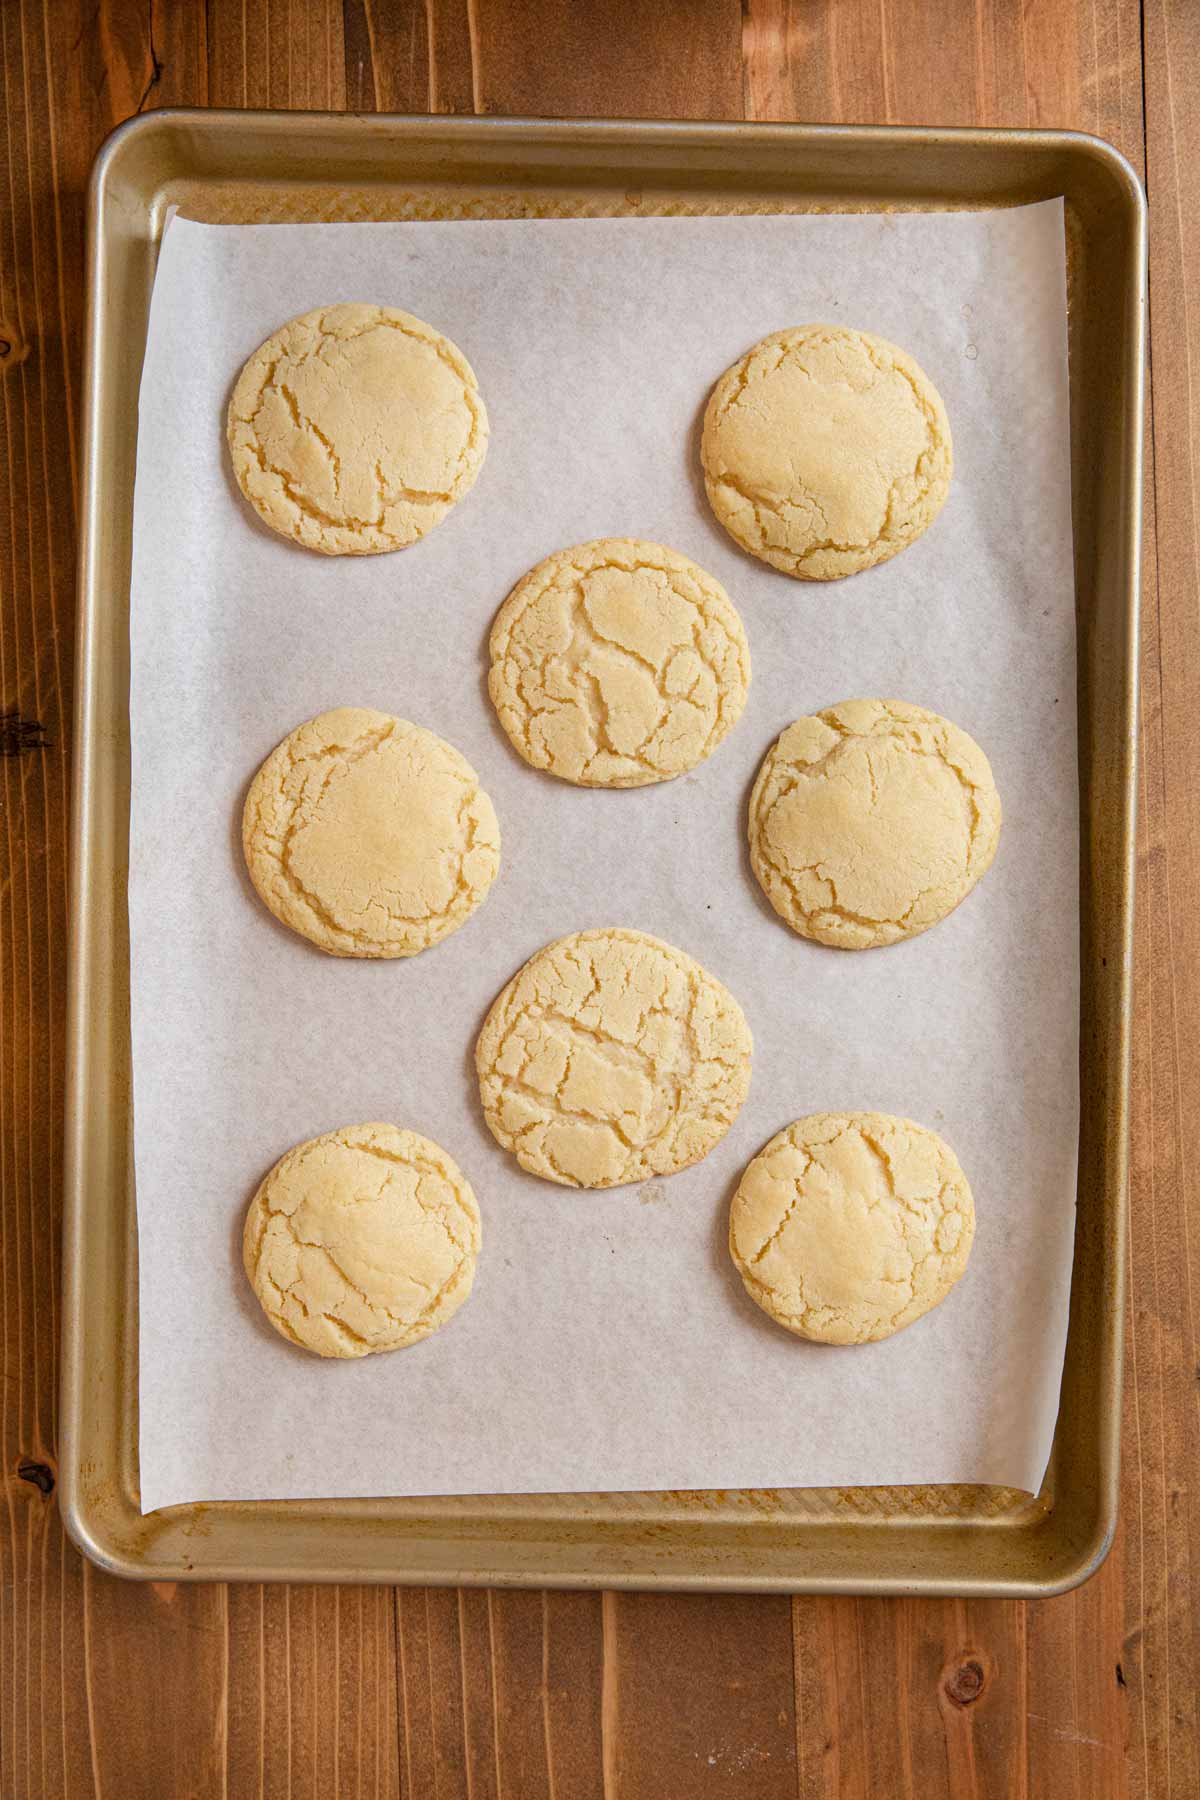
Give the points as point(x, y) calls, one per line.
point(608, 1343)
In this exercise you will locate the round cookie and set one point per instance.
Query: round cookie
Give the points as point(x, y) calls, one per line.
point(368, 835)
point(354, 429)
point(364, 1239)
point(611, 1057)
point(849, 1226)
point(825, 451)
point(618, 663)
point(871, 821)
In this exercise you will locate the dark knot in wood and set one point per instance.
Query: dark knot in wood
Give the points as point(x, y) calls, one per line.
point(13, 348)
point(18, 734)
point(964, 1684)
point(39, 1473)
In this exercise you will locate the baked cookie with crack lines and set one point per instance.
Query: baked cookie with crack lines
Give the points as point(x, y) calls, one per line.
point(354, 429)
point(361, 1240)
point(849, 1226)
point(369, 836)
point(871, 821)
point(825, 451)
point(611, 1057)
point(618, 663)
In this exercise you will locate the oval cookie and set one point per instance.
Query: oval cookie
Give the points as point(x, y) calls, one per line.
point(369, 836)
point(871, 821)
point(618, 663)
point(355, 429)
point(825, 451)
point(611, 1057)
point(364, 1239)
point(849, 1226)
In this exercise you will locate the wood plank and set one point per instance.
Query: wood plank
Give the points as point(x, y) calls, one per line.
point(501, 1694)
point(674, 60)
point(285, 53)
point(405, 56)
point(163, 1732)
point(914, 1699)
point(862, 62)
point(698, 1697)
point(308, 1703)
point(44, 1729)
point(1161, 1653)
point(387, 48)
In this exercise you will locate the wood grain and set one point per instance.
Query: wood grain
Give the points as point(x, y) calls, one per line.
point(1161, 1647)
point(108, 1689)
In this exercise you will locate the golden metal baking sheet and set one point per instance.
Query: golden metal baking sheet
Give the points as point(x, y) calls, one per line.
point(245, 166)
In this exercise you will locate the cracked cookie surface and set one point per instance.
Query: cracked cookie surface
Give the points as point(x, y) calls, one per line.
point(364, 1239)
point(611, 1057)
point(355, 429)
point(848, 1226)
point(369, 836)
point(618, 663)
point(871, 821)
point(825, 451)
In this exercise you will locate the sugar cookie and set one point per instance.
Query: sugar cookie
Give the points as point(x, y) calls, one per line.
point(368, 835)
point(871, 821)
point(355, 429)
point(825, 451)
point(849, 1226)
point(364, 1239)
point(611, 1057)
point(618, 663)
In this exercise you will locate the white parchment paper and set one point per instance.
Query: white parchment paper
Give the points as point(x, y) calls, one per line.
point(608, 1343)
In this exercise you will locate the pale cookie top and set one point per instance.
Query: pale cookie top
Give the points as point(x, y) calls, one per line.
point(355, 429)
point(618, 663)
point(871, 821)
point(611, 1057)
point(825, 451)
point(362, 1240)
point(368, 835)
point(849, 1226)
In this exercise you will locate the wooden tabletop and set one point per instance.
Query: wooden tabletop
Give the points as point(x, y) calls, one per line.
point(130, 1691)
